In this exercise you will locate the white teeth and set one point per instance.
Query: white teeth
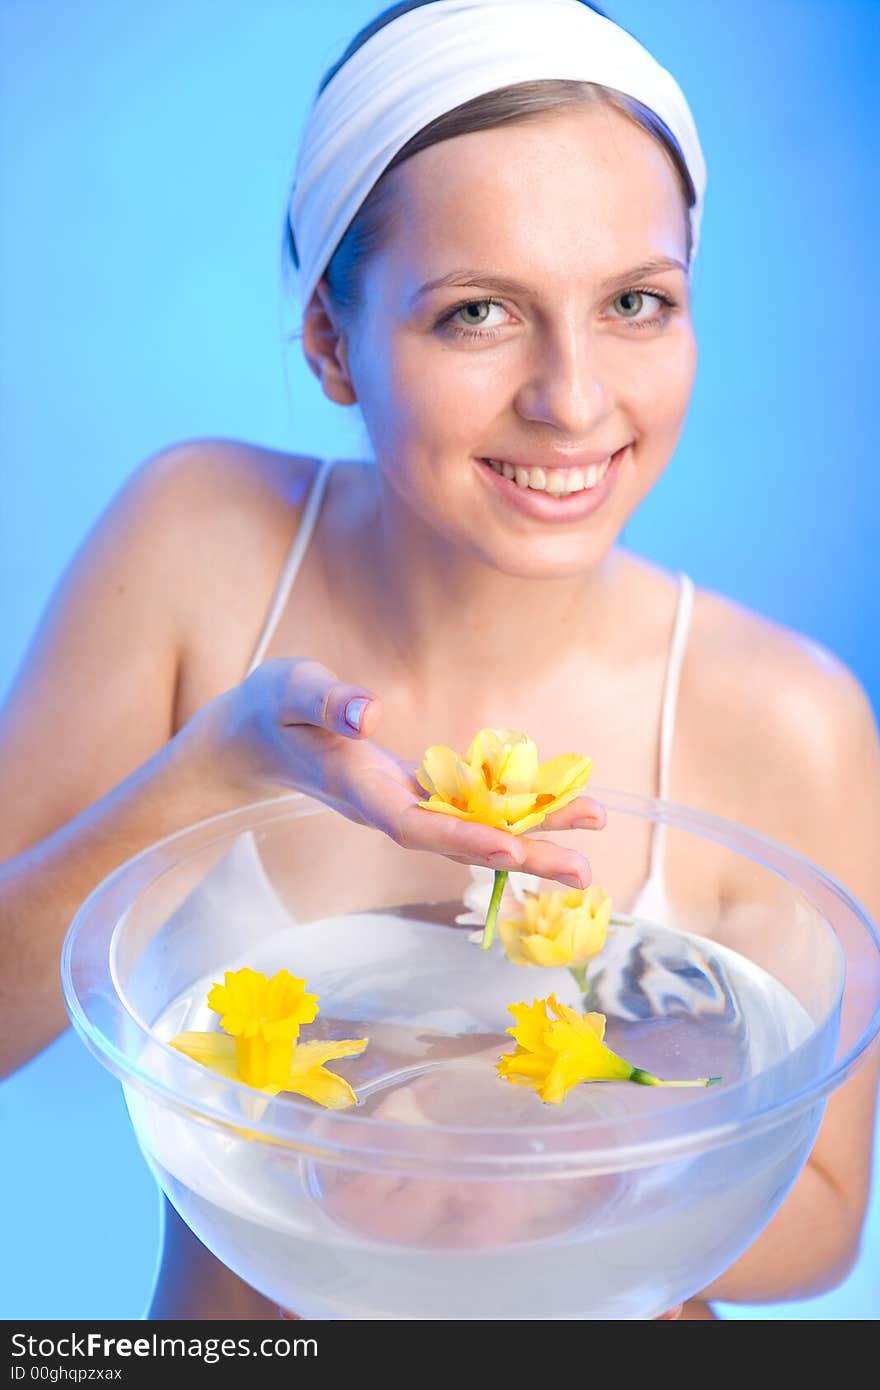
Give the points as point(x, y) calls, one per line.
point(559, 482)
point(556, 482)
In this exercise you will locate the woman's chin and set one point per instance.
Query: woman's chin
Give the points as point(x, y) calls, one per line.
point(549, 558)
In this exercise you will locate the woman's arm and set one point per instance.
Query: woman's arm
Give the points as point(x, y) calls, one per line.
point(41, 889)
point(89, 772)
point(812, 1242)
point(834, 816)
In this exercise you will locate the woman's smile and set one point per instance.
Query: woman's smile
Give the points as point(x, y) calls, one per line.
point(553, 494)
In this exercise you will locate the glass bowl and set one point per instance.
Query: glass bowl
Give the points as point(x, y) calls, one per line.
point(446, 1192)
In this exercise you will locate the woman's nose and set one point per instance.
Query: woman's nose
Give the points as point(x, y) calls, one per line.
point(566, 386)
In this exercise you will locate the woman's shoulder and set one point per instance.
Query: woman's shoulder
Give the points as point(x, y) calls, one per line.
point(735, 657)
point(231, 481)
point(772, 702)
point(234, 509)
point(240, 506)
point(770, 666)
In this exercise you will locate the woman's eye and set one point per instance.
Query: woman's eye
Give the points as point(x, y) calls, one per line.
point(469, 319)
point(633, 301)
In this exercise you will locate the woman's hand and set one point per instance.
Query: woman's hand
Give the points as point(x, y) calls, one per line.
point(293, 725)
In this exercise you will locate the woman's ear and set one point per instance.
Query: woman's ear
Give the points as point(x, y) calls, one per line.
point(326, 347)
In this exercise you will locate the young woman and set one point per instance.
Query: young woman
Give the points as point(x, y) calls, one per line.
point(494, 220)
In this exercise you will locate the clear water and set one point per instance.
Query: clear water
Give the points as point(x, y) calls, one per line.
point(332, 1241)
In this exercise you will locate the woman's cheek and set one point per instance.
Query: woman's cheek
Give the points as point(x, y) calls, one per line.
point(676, 367)
point(659, 393)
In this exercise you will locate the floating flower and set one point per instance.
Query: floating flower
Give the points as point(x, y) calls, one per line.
point(478, 895)
point(563, 927)
point(500, 782)
point(479, 891)
point(305, 1073)
point(555, 1053)
point(261, 1019)
point(522, 888)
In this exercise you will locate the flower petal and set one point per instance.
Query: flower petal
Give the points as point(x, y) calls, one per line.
point(565, 1073)
point(557, 802)
point(470, 784)
point(472, 919)
point(436, 772)
point(308, 1077)
point(531, 1024)
point(512, 808)
point(214, 1050)
point(528, 1064)
point(517, 1078)
point(561, 774)
point(488, 746)
point(252, 1005)
point(532, 913)
point(236, 999)
point(595, 1022)
point(527, 822)
point(322, 1086)
point(543, 950)
point(314, 1054)
point(593, 1060)
point(435, 804)
point(511, 939)
point(519, 767)
point(589, 938)
point(286, 999)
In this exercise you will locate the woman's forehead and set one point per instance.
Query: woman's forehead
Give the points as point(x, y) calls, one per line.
point(591, 185)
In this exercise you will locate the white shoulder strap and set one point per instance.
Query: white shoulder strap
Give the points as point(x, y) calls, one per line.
point(670, 704)
point(294, 558)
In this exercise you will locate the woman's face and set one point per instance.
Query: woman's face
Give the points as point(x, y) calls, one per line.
point(584, 357)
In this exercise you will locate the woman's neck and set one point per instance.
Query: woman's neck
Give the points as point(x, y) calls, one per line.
point(436, 610)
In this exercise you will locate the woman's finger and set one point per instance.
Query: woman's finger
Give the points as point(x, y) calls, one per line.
point(309, 693)
point(494, 849)
point(541, 863)
point(584, 813)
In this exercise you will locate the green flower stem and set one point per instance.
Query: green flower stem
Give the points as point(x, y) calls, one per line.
point(644, 1078)
point(580, 977)
point(494, 904)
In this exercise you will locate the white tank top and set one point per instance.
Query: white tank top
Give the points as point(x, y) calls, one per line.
point(651, 901)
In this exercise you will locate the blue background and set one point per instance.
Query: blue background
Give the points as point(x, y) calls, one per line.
point(146, 154)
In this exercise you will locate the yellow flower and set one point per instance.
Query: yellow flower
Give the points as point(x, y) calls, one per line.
point(554, 1054)
point(499, 781)
point(261, 1019)
point(305, 1073)
point(564, 927)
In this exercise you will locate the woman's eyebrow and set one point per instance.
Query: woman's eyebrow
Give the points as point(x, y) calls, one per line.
point(487, 279)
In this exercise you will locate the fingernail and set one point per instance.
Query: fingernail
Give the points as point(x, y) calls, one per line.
point(354, 711)
point(570, 879)
point(503, 860)
point(586, 823)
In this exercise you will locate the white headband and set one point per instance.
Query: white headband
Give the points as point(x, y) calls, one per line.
point(434, 58)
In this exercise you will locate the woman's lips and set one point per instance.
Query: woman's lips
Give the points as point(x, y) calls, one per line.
point(544, 507)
